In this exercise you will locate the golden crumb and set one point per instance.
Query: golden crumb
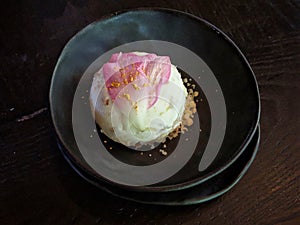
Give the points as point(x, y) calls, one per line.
point(127, 96)
point(188, 114)
point(115, 84)
point(163, 152)
point(136, 87)
point(125, 81)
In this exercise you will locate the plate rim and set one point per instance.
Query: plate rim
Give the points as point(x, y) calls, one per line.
point(164, 188)
point(185, 202)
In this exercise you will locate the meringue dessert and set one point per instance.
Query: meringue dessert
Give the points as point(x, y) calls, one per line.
point(138, 98)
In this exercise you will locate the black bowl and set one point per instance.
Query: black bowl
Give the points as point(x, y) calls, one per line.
point(228, 106)
point(206, 191)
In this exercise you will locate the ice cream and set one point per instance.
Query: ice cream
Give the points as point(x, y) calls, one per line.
point(138, 98)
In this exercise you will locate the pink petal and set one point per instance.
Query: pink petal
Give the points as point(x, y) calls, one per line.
point(130, 71)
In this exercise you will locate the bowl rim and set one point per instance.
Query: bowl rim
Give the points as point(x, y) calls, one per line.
point(173, 187)
point(186, 202)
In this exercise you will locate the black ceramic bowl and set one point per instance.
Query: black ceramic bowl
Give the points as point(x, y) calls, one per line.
point(228, 104)
point(206, 191)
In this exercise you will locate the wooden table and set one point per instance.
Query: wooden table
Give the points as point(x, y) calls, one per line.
point(37, 186)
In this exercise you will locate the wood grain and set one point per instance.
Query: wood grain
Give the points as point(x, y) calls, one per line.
point(38, 187)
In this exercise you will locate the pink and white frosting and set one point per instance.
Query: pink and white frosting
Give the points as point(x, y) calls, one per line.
point(138, 98)
point(140, 75)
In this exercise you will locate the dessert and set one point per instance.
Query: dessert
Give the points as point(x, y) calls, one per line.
point(139, 98)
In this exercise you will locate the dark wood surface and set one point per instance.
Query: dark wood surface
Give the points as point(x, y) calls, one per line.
point(37, 186)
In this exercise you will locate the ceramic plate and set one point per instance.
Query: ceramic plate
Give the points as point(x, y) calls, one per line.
point(203, 192)
point(228, 104)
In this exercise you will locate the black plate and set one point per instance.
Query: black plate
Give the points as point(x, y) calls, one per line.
point(228, 105)
point(203, 192)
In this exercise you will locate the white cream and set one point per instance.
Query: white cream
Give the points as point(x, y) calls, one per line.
point(143, 125)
